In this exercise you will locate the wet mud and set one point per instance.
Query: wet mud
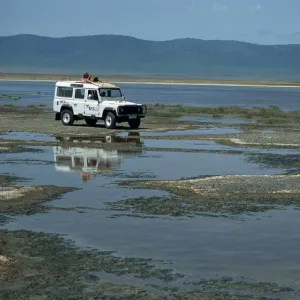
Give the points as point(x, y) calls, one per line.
point(26, 200)
point(47, 266)
point(217, 196)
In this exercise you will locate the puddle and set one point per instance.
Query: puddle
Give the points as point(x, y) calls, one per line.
point(198, 248)
point(212, 146)
point(27, 136)
point(216, 120)
point(89, 161)
point(62, 164)
point(214, 130)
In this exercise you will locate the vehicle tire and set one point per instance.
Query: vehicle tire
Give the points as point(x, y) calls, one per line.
point(67, 117)
point(135, 123)
point(90, 122)
point(110, 120)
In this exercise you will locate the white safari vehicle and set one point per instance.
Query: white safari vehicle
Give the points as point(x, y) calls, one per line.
point(76, 100)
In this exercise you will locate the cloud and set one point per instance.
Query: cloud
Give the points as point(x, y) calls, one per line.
point(219, 7)
point(256, 7)
point(267, 36)
point(265, 33)
point(289, 37)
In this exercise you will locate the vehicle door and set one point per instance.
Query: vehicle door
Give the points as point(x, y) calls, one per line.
point(91, 106)
point(79, 101)
point(104, 99)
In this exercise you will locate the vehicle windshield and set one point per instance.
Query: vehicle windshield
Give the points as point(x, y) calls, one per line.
point(110, 93)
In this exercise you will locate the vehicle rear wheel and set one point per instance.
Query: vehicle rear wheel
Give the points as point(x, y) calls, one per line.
point(67, 117)
point(134, 123)
point(110, 120)
point(91, 122)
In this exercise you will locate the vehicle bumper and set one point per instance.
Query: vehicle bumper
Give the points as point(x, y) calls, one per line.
point(126, 118)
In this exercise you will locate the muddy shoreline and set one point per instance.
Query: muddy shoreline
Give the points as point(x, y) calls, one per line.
point(36, 120)
point(35, 77)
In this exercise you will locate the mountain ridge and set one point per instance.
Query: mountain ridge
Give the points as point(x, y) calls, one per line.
point(120, 54)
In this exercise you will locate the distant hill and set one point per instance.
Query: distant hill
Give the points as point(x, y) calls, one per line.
point(120, 55)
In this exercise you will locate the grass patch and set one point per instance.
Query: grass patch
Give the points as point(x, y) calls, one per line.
point(270, 115)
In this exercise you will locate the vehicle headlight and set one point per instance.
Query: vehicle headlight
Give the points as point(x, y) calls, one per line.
point(121, 109)
point(144, 109)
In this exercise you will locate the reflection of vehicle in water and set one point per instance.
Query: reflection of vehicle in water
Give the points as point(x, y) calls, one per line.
point(90, 161)
point(132, 138)
point(86, 160)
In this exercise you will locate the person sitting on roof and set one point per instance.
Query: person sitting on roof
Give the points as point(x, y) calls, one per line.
point(86, 78)
point(96, 79)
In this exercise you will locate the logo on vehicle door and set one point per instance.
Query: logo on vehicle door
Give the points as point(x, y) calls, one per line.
point(93, 108)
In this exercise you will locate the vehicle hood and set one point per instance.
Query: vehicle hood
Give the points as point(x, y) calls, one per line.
point(119, 102)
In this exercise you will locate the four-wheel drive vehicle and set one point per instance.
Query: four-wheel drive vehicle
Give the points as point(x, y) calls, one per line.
point(91, 102)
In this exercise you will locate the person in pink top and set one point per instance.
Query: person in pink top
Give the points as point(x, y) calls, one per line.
point(86, 78)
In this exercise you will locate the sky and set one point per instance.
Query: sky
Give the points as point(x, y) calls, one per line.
point(255, 21)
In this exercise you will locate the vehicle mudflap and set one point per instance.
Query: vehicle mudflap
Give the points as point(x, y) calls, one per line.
point(57, 116)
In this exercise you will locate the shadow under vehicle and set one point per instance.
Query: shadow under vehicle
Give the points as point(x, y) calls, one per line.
point(133, 138)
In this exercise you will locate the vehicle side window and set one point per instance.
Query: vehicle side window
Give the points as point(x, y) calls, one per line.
point(79, 93)
point(64, 92)
point(92, 95)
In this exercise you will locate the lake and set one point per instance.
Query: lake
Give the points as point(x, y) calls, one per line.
point(206, 96)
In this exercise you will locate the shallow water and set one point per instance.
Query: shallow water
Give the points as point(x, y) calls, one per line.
point(263, 247)
point(206, 96)
point(160, 165)
point(27, 136)
point(216, 120)
point(213, 130)
point(212, 146)
point(264, 250)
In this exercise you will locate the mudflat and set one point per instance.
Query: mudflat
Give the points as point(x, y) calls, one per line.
point(124, 204)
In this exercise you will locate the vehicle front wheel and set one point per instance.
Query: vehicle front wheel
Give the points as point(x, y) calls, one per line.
point(90, 122)
point(110, 120)
point(67, 117)
point(134, 123)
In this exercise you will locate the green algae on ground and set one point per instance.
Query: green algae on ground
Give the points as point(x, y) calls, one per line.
point(26, 200)
point(11, 147)
point(270, 115)
point(218, 196)
point(229, 284)
point(48, 265)
point(191, 295)
point(272, 160)
point(228, 288)
point(230, 186)
point(176, 206)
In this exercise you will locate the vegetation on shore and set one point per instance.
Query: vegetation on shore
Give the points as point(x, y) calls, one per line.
point(270, 115)
point(143, 79)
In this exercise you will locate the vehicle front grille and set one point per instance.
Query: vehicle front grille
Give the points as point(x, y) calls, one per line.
point(128, 109)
